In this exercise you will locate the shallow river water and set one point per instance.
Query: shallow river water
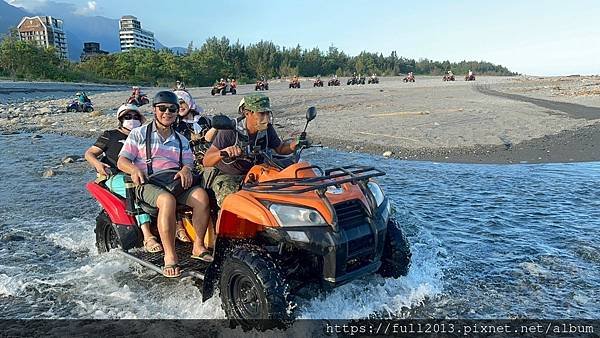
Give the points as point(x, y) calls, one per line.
point(488, 241)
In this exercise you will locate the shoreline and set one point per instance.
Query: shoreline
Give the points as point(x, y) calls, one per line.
point(496, 120)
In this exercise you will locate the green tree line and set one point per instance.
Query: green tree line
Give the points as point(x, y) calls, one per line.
point(217, 58)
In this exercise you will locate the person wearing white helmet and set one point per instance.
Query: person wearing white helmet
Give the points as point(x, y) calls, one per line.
point(108, 145)
point(190, 123)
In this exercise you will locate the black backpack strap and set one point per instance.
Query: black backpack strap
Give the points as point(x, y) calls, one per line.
point(180, 149)
point(149, 148)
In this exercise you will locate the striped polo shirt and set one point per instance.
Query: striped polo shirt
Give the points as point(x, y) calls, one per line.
point(165, 152)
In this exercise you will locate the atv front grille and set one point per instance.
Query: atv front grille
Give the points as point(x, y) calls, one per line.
point(353, 221)
point(350, 214)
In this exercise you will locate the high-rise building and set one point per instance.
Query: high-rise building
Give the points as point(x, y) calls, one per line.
point(132, 35)
point(45, 31)
point(91, 49)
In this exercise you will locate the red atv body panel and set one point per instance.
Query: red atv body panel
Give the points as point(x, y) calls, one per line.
point(114, 206)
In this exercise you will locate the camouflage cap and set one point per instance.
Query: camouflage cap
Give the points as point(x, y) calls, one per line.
point(257, 103)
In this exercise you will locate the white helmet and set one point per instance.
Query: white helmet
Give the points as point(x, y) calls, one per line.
point(123, 109)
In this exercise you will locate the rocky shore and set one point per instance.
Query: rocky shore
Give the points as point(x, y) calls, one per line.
point(492, 120)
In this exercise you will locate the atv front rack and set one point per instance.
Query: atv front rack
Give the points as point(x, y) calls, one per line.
point(329, 177)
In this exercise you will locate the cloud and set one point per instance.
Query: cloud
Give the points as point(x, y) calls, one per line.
point(30, 5)
point(87, 10)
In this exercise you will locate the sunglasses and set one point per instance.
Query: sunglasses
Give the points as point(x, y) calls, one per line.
point(171, 109)
point(131, 117)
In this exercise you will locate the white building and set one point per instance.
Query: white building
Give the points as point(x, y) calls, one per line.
point(132, 35)
point(45, 31)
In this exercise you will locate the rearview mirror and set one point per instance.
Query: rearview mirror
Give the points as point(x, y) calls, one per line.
point(222, 122)
point(311, 113)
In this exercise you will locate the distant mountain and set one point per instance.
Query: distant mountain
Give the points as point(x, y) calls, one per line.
point(79, 28)
point(10, 16)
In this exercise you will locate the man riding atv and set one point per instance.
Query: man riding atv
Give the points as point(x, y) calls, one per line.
point(470, 76)
point(82, 103)
point(295, 83)
point(334, 81)
point(224, 154)
point(449, 76)
point(261, 84)
point(223, 87)
point(137, 98)
point(373, 79)
point(409, 78)
point(318, 82)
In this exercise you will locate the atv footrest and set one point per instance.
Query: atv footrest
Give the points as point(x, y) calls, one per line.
point(189, 266)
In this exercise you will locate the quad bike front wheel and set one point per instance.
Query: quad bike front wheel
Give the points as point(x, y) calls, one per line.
point(395, 260)
point(106, 236)
point(252, 286)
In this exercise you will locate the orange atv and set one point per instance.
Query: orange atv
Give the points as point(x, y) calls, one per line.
point(290, 226)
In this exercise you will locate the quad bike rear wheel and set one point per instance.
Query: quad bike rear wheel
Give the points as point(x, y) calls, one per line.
point(252, 286)
point(395, 260)
point(106, 236)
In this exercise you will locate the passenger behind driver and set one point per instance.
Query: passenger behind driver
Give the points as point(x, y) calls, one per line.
point(110, 144)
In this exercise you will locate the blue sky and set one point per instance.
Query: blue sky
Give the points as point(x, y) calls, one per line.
point(547, 37)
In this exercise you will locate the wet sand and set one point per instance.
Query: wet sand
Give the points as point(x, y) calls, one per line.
point(492, 120)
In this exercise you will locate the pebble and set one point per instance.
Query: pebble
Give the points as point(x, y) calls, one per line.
point(387, 153)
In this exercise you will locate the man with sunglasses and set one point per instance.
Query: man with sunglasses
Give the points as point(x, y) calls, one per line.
point(109, 145)
point(168, 150)
point(229, 172)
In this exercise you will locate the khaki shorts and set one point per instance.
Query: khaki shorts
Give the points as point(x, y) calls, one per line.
point(149, 194)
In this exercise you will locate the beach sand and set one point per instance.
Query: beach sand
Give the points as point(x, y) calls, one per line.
point(492, 120)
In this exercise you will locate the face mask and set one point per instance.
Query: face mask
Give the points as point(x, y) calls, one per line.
point(130, 124)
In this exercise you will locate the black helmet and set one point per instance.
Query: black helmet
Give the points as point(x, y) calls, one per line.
point(165, 97)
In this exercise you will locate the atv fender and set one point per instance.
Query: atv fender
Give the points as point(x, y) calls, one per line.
point(212, 273)
point(115, 207)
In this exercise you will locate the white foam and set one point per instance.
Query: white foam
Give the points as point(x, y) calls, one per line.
point(76, 235)
point(8, 286)
point(376, 295)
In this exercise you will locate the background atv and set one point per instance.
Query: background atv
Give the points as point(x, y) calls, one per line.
point(470, 78)
point(261, 85)
point(409, 79)
point(448, 78)
point(292, 225)
point(75, 106)
point(355, 80)
point(318, 83)
point(333, 82)
point(223, 89)
point(373, 79)
point(295, 83)
point(138, 101)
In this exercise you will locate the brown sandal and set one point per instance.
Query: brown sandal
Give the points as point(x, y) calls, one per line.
point(157, 247)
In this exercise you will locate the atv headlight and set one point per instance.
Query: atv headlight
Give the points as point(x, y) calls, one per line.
point(290, 216)
point(377, 192)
